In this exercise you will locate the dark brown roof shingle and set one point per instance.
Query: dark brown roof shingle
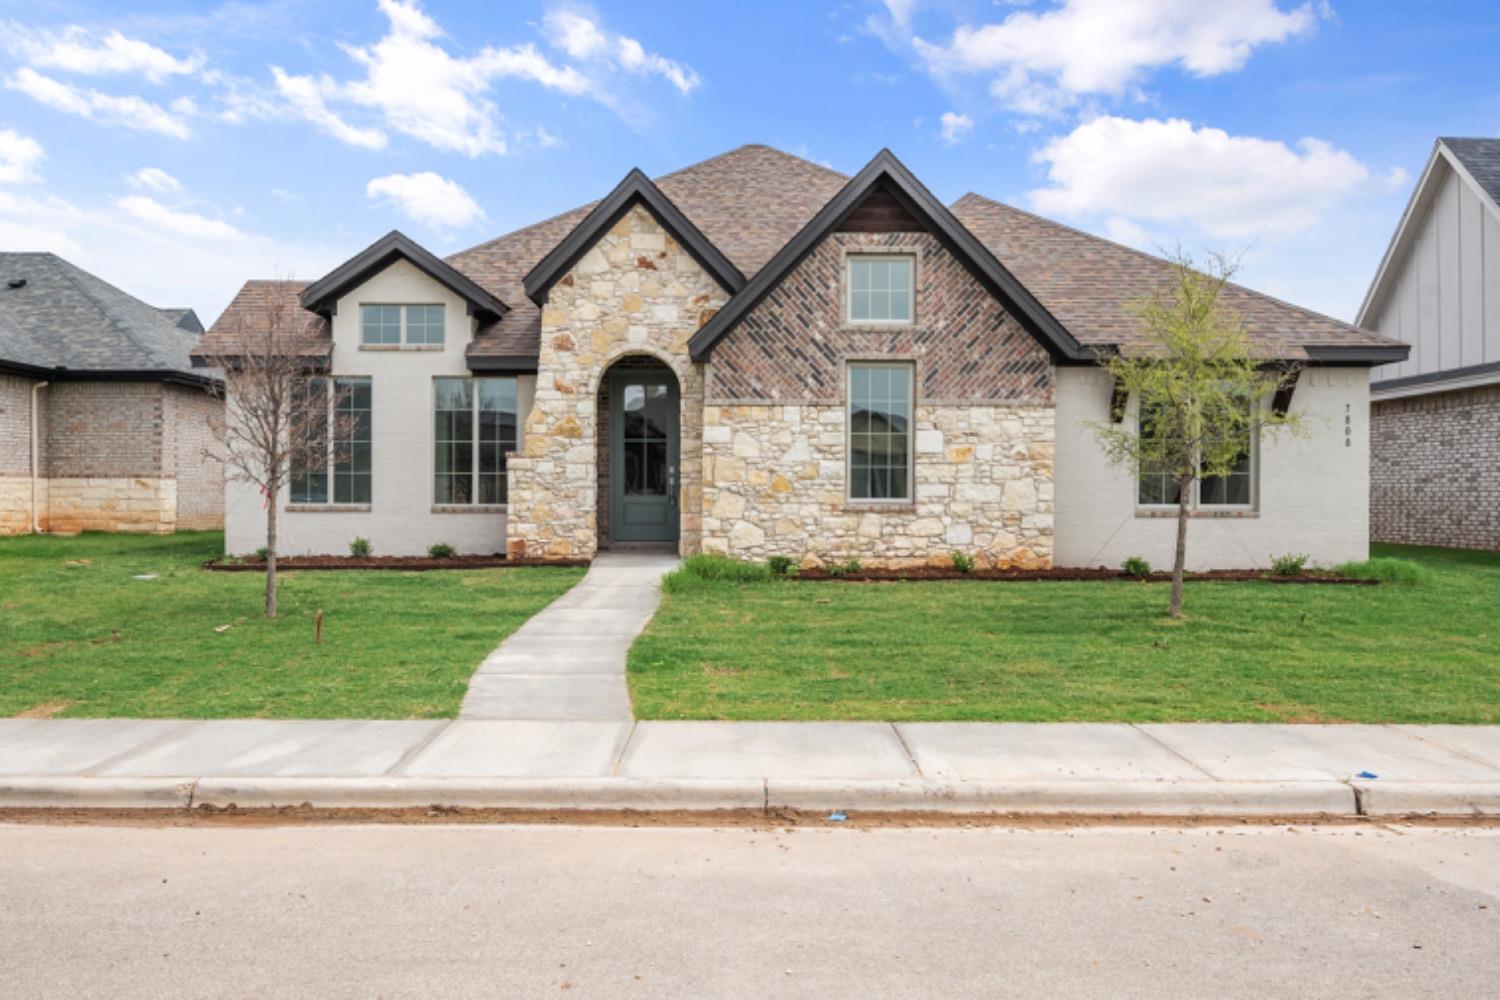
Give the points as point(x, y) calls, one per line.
point(251, 309)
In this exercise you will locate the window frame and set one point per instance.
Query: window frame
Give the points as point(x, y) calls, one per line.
point(1195, 503)
point(333, 385)
point(909, 368)
point(476, 440)
point(910, 257)
point(403, 340)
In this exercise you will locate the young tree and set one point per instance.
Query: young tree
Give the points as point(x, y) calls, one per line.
point(279, 416)
point(1199, 394)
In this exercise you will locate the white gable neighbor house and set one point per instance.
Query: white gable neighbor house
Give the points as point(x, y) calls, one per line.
point(759, 356)
point(1435, 416)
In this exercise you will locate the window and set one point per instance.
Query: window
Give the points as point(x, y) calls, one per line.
point(880, 407)
point(881, 288)
point(383, 325)
point(1157, 487)
point(474, 426)
point(339, 430)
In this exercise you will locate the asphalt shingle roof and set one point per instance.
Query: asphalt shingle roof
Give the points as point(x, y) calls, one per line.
point(56, 315)
point(1481, 158)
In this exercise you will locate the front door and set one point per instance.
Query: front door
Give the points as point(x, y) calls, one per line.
point(643, 456)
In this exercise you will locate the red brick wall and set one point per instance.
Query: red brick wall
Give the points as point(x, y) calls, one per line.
point(99, 430)
point(188, 441)
point(1435, 469)
point(15, 424)
point(791, 346)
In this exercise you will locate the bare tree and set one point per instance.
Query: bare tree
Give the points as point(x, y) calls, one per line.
point(1199, 393)
point(280, 415)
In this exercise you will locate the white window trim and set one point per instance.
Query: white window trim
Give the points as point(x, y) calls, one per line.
point(849, 258)
point(405, 343)
point(1195, 504)
point(910, 368)
point(473, 506)
point(330, 400)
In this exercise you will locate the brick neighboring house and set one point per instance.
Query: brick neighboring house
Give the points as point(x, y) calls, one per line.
point(760, 356)
point(1435, 417)
point(103, 419)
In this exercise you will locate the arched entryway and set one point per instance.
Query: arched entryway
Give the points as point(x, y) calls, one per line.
point(639, 415)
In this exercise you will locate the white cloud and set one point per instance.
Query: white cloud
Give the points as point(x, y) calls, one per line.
point(76, 50)
point(307, 97)
point(146, 209)
point(19, 156)
point(956, 127)
point(1167, 172)
point(582, 37)
point(1040, 63)
point(154, 179)
point(106, 109)
point(427, 198)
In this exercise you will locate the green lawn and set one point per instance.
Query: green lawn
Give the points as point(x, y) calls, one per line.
point(1096, 651)
point(80, 637)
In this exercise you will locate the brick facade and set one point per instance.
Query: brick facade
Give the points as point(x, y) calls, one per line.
point(113, 456)
point(1435, 469)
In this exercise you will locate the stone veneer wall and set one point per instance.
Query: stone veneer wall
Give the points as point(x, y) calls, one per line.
point(635, 292)
point(1435, 469)
point(775, 452)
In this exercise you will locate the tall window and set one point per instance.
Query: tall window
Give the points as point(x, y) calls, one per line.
point(880, 409)
point(339, 429)
point(474, 426)
point(881, 288)
point(395, 324)
point(1157, 486)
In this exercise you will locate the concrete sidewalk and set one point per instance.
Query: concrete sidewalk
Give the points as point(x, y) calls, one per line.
point(1180, 769)
point(568, 661)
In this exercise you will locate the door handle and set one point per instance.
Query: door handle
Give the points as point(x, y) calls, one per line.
point(672, 485)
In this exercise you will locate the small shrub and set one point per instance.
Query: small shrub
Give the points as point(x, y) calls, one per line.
point(848, 566)
point(781, 565)
point(1397, 571)
point(1291, 564)
point(1137, 567)
point(440, 550)
point(963, 562)
point(699, 571)
point(262, 554)
point(360, 547)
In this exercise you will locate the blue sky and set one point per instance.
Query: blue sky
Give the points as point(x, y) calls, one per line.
point(177, 149)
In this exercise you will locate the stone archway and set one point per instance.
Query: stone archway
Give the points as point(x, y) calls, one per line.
point(638, 500)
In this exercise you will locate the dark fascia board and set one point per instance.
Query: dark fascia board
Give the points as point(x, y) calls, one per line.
point(322, 295)
point(1061, 344)
point(1356, 354)
point(511, 364)
point(1471, 371)
point(636, 187)
point(169, 376)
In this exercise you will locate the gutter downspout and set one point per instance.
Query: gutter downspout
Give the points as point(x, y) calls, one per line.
point(36, 524)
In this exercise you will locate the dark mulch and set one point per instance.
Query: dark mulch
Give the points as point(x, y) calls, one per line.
point(408, 563)
point(1063, 573)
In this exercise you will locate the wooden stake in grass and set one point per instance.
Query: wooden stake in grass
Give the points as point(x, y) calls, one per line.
point(318, 634)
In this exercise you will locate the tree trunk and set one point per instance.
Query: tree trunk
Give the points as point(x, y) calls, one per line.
point(271, 554)
point(1179, 558)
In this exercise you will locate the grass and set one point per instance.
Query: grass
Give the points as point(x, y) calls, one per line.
point(1423, 649)
point(80, 637)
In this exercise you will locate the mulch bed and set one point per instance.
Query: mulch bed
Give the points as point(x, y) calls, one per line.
point(408, 563)
point(947, 573)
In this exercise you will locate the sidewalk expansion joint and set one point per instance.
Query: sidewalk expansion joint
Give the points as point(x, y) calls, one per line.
point(1172, 750)
point(172, 733)
point(412, 751)
point(614, 767)
point(907, 750)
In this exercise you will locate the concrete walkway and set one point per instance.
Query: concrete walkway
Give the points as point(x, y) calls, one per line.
point(1180, 769)
point(568, 662)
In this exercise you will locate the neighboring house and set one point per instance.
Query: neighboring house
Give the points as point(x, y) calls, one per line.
point(103, 419)
point(1435, 417)
point(759, 356)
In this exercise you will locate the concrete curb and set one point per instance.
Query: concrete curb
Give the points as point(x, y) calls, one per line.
point(1140, 798)
point(95, 793)
point(482, 793)
point(1406, 798)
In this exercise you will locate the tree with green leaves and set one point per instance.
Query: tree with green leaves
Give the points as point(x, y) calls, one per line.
point(1199, 394)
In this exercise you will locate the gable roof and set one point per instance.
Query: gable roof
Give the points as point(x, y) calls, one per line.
point(322, 295)
point(1477, 163)
point(59, 321)
point(747, 202)
point(635, 189)
point(250, 309)
point(1091, 285)
point(887, 172)
point(183, 318)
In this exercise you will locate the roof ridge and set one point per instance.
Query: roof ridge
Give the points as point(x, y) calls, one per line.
point(1158, 260)
point(67, 270)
